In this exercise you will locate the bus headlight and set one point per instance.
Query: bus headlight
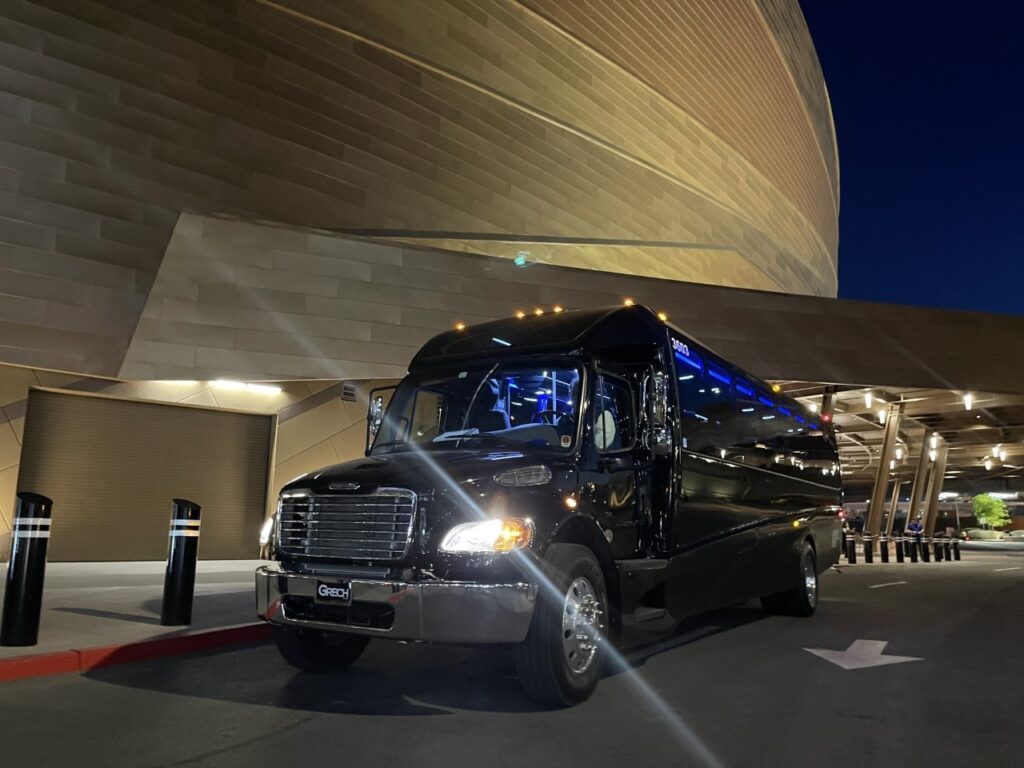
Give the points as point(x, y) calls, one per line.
point(500, 535)
point(266, 531)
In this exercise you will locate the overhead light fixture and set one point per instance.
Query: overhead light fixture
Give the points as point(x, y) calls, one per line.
point(968, 401)
point(881, 416)
point(899, 453)
point(935, 440)
point(868, 400)
point(892, 464)
point(995, 449)
point(1002, 456)
point(813, 407)
point(933, 454)
point(988, 464)
point(263, 389)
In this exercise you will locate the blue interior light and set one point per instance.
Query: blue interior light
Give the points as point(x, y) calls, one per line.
point(690, 361)
point(720, 376)
point(744, 389)
point(785, 411)
point(765, 400)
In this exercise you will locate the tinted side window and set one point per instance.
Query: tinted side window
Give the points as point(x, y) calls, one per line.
point(728, 416)
point(614, 421)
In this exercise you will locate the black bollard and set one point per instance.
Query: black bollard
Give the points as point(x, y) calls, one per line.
point(851, 549)
point(182, 548)
point(899, 549)
point(883, 548)
point(956, 549)
point(926, 553)
point(23, 598)
point(947, 548)
point(869, 550)
point(912, 544)
point(938, 550)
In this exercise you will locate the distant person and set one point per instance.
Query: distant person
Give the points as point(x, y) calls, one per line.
point(857, 524)
point(915, 529)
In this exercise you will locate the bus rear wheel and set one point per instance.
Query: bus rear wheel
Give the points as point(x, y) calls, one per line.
point(561, 659)
point(802, 599)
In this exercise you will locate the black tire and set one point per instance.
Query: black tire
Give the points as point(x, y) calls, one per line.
point(314, 651)
point(541, 660)
point(802, 599)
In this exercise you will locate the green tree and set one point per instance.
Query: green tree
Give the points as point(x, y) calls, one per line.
point(990, 511)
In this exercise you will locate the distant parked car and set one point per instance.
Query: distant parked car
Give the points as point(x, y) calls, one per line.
point(1017, 534)
point(983, 534)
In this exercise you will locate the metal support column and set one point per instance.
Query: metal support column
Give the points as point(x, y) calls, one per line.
point(892, 427)
point(938, 475)
point(894, 507)
point(920, 479)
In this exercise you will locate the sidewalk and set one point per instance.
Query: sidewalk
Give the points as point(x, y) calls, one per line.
point(111, 607)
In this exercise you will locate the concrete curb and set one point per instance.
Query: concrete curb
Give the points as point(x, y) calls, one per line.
point(83, 660)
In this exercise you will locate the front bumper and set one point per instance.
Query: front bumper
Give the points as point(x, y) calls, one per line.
point(436, 611)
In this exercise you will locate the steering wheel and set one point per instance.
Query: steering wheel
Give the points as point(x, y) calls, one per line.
point(548, 416)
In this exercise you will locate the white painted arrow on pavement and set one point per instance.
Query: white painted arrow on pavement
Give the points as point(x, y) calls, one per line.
point(860, 654)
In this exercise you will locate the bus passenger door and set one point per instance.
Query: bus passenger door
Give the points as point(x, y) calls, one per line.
point(619, 484)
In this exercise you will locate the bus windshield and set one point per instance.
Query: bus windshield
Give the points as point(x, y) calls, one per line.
point(516, 403)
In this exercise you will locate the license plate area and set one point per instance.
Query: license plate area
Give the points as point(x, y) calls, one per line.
point(333, 592)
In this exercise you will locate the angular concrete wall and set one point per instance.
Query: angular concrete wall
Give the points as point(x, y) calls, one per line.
point(263, 302)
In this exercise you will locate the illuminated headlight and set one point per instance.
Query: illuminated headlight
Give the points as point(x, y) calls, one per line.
point(266, 531)
point(501, 535)
point(536, 474)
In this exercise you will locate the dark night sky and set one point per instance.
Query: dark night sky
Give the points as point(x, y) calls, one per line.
point(928, 101)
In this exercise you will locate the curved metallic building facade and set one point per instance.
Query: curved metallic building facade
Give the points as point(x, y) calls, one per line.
point(688, 140)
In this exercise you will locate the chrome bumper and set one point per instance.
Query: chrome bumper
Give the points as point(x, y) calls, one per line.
point(436, 611)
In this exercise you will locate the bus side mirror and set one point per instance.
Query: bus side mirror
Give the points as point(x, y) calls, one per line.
point(661, 435)
point(375, 415)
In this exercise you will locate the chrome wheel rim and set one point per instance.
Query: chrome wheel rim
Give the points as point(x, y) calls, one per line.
point(581, 625)
point(810, 582)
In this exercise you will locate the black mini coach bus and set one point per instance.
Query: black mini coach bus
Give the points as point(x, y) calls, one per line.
point(554, 482)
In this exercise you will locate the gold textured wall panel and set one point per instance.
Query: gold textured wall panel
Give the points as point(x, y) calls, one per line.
point(686, 140)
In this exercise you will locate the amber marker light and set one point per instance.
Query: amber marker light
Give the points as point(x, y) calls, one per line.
point(628, 302)
point(460, 326)
point(538, 311)
point(663, 317)
point(570, 502)
point(520, 314)
point(776, 388)
point(558, 309)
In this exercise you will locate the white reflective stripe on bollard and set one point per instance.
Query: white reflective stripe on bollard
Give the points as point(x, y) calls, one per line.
point(187, 534)
point(32, 521)
point(186, 523)
point(31, 534)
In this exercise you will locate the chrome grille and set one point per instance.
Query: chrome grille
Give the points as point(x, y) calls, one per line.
point(375, 526)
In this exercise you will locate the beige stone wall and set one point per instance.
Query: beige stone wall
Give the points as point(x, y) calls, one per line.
point(454, 118)
point(315, 427)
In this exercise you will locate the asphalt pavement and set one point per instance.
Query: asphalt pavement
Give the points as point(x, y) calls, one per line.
point(732, 688)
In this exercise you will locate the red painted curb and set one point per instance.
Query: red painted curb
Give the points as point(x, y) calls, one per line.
point(63, 662)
